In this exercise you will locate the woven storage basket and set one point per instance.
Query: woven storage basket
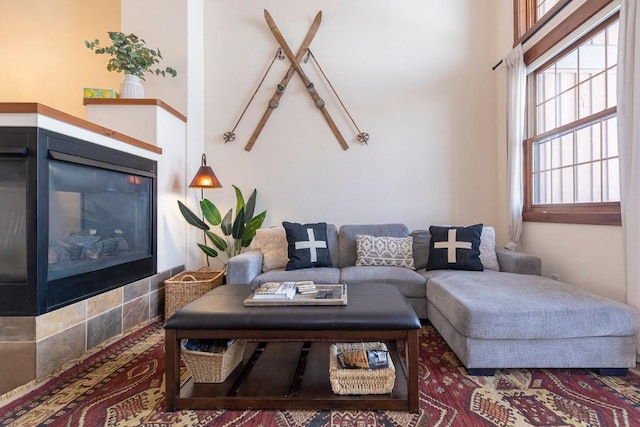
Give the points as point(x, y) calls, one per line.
point(213, 367)
point(188, 286)
point(360, 381)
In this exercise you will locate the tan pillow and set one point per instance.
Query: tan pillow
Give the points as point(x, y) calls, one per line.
point(273, 244)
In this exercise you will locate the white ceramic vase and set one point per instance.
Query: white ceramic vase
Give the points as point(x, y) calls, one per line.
point(131, 87)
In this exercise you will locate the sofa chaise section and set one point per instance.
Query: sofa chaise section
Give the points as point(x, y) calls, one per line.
point(504, 320)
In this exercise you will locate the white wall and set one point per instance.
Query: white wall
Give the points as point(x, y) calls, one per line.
point(590, 257)
point(176, 26)
point(416, 75)
point(587, 256)
point(504, 44)
point(196, 119)
point(171, 187)
point(162, 24)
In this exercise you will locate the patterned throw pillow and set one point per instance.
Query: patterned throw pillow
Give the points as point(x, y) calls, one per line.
point(273, 244)
point(384, 251)
point(455, 248)
point(307, 245)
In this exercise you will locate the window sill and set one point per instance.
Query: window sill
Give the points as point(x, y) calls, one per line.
point(608, 214)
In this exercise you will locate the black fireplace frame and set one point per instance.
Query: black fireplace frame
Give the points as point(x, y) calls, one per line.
point(38, 295)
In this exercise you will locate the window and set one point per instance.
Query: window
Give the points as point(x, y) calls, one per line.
point(571, 159)
point(531, 15)
point(544, 6)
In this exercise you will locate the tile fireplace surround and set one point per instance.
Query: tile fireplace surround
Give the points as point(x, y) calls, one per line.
point(34, 347)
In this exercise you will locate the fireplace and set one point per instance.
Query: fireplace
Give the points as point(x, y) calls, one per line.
point(76, 219)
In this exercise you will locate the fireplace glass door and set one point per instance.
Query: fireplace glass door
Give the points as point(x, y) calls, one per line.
point(98, 218)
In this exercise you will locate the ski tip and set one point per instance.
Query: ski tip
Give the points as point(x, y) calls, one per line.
point(269, 19)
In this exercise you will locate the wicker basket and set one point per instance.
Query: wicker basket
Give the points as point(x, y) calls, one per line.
point(188, 286)
point(360, 381)
point(213, 367)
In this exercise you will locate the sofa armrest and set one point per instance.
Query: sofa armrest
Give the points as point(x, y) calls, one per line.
point(243, 268)
point(518, 262)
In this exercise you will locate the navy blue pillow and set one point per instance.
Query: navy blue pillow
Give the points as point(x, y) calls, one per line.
point(455, 248)
point(307, 245)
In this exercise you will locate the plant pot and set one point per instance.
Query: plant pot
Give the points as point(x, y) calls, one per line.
point(130, 87)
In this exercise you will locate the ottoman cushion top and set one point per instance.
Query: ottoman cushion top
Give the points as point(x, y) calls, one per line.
point(370, 306)
point(497, 305)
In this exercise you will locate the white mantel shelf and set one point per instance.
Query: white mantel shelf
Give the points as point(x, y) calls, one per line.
point(129, 101)
point(33, 108)
point(150, 120)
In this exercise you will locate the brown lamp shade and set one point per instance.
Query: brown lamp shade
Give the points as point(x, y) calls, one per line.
point(205, 178)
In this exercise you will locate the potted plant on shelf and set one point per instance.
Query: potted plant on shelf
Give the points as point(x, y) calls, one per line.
point(237, 232)
point(130, 55)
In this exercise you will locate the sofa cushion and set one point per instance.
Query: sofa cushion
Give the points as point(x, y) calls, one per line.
point(519, 262)
point(384, 251)
point(455, 248)
point(307, 245)
point(496, 305)
point(421, 241)
point(410, 283)
point(273, 244)
point(317, 274)
point(347, 238)
point(332, 239)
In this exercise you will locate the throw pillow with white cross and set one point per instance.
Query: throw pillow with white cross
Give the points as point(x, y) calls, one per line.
point(307, 245)
point(455, 248)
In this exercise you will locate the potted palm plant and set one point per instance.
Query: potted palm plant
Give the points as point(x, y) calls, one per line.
point(131, 56)
point(236, 233)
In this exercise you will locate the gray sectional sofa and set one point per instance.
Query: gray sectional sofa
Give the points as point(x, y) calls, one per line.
point(512, 318)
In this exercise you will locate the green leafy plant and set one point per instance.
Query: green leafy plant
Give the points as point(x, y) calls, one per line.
point(129, 54)
point(236, 233)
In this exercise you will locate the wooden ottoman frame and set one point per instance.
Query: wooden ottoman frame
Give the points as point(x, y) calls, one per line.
point(286, 364)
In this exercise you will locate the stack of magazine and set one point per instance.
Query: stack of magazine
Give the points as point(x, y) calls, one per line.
point(364, 359)
point(207, 345)
point(306, 287)
point(275, 290)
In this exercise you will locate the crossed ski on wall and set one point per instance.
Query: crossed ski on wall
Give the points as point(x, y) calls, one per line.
point(296, 68)
point(310, 88)
point(275, 99)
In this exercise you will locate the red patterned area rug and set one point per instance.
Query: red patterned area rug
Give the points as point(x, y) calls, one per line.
point(123, 385)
